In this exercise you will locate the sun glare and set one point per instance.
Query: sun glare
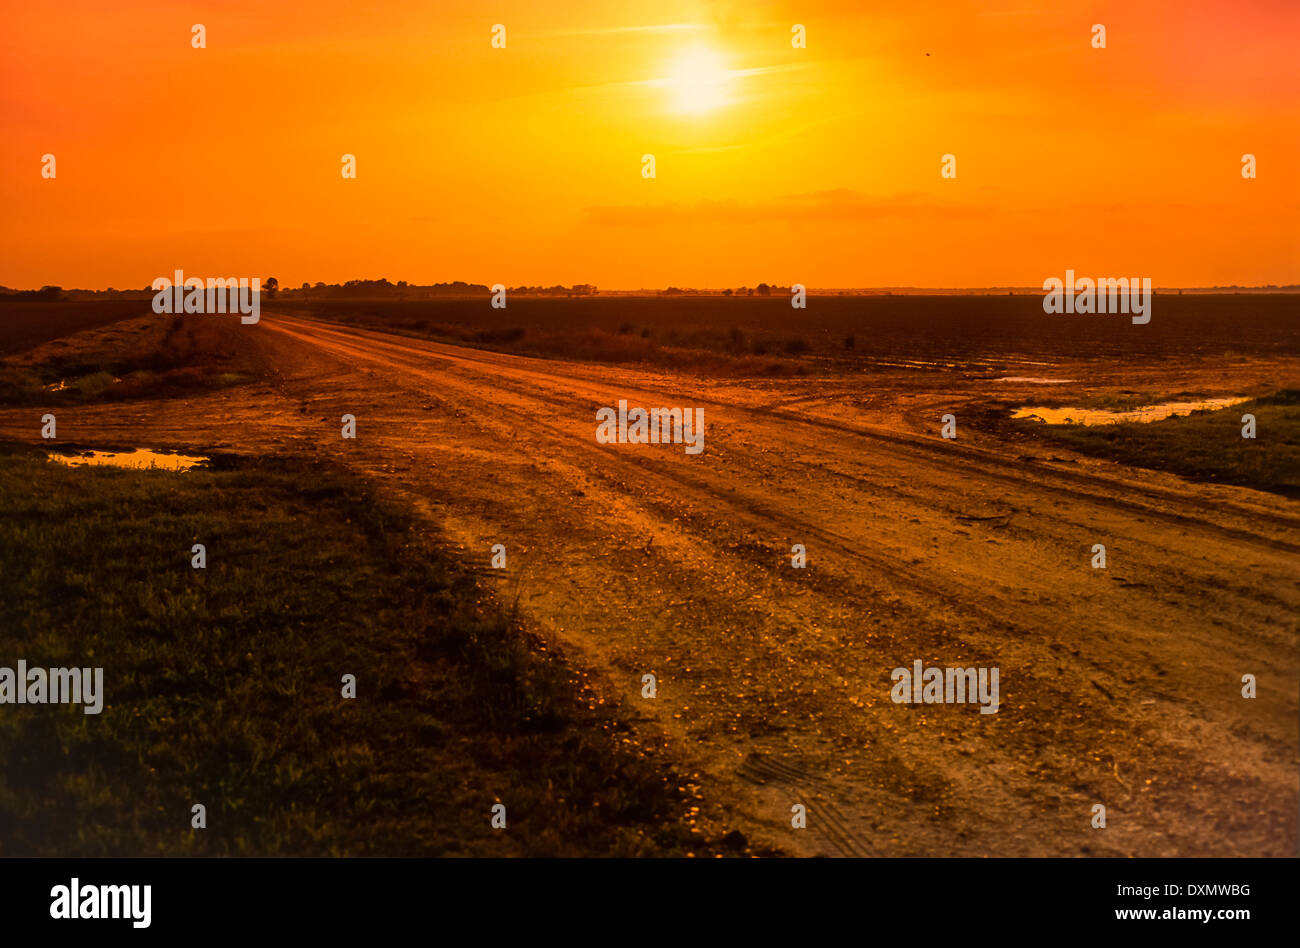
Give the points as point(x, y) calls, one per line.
point(697, 81)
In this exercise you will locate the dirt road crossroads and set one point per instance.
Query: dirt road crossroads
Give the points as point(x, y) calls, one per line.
point(1119, 686)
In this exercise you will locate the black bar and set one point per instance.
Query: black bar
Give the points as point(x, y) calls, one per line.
point(659, 900)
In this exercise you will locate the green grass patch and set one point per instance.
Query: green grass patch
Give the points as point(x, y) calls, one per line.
point(223, 685)
point(1205, 445)
point(169, 356)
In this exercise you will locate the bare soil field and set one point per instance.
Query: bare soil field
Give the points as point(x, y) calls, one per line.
point(25, 324)
point(1119, 686)
point(980, 335)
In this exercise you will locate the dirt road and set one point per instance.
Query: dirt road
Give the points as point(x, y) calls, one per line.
point(1118, 686)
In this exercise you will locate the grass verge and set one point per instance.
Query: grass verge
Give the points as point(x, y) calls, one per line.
point(1205, 445)
point(223, 685)
point(150, 357)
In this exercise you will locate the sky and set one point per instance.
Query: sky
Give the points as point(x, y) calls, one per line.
point(524, 164)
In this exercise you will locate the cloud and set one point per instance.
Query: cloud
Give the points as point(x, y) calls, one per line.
point(613, 30)
point(837, 204)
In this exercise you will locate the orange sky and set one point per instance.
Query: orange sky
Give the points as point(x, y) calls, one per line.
point(523, 165)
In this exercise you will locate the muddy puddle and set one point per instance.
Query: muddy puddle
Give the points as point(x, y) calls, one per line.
point(1101, 416)
point(142, 459)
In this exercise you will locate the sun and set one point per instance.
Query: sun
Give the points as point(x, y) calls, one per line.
point(697, 81)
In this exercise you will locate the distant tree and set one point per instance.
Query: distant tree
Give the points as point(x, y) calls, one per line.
point(272, 284)
point(764, 289)
point(727, 291)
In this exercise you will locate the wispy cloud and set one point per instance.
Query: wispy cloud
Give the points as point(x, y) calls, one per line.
point(728, 74)
point(614, 30)
point(836, 204)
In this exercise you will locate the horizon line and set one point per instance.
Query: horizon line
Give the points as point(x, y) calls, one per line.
point(595, 290)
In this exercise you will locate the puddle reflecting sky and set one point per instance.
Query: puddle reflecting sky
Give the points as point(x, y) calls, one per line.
point(1099, 416)
point(140, 459)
